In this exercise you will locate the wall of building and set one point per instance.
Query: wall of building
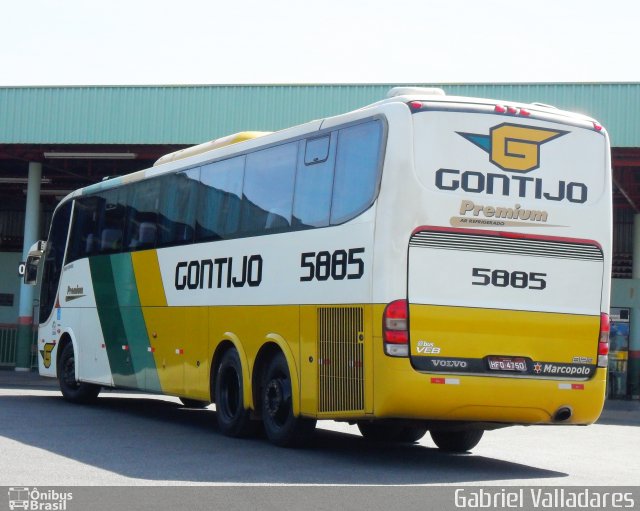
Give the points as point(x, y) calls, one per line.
point(9, 285)
point(626, 293)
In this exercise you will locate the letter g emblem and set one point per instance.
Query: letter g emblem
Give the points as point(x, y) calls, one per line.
point(516, 148)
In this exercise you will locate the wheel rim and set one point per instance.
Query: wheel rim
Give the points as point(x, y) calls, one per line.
point(278, 400)
point(230, 392)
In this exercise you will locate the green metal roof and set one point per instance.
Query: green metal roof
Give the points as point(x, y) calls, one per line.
point(193, 114)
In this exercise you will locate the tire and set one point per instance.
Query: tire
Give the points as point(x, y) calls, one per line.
point(193, 403)
point(280, 425)
point(233, 418)
point(73, 390)
point(457, 441)
point(391, 432)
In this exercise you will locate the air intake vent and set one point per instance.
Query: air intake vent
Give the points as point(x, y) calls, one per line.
point(340, 359)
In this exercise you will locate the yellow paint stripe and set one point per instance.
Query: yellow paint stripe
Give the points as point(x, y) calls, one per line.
point(148, 278)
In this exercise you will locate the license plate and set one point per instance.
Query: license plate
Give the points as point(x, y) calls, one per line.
point(507, 364)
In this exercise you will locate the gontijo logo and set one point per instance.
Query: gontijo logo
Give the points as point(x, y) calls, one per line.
point(513, 147)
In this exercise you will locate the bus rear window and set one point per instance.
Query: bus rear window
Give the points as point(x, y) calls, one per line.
point(358, 164)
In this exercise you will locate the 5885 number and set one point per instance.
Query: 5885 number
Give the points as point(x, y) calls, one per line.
point(504, 278)
point(337, 265)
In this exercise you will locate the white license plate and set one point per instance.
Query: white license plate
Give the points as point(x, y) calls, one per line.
point(507, 364)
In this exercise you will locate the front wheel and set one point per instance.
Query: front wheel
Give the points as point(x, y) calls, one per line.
point(457, 441)
point(73, 390)
point(280, 425)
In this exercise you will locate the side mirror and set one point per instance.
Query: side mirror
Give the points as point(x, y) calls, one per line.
point(29, 270)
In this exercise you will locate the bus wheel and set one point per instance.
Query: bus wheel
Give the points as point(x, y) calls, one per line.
point(457, 441)
point(390, 432)
point(280, 425)
point(233, 417)
point(73, 390)
point(193, 403)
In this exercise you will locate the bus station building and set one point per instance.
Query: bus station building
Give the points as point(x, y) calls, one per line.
point(54, 140)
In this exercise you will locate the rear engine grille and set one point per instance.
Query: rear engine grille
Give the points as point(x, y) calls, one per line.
point(340, 359)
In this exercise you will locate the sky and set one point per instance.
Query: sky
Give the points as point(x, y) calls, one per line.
point(161, 42)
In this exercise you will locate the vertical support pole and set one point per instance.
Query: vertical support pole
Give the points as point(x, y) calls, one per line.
point(633, 368)
point(31, 230)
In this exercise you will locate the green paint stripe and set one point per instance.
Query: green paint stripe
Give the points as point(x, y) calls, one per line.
point(133, 322)
point(111, 322)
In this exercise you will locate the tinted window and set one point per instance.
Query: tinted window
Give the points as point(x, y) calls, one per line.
point(309, 183)
point(142, 229)
point(112, 221)
point(268, 189)
point(356, 172)
point(53, 258)
point(177, 208)
point(84, 230)
point(219, 202)
point(314, 182)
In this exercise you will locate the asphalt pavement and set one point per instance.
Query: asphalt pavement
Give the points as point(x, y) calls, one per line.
point(616, 411)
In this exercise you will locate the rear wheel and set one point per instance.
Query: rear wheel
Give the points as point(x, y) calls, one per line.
point(73, 390)
point(391, 432)
point(280, 425)
point(193, 403)
point(233, 417)
point(457, 441)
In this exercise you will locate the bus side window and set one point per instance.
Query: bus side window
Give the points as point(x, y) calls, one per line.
point(268, 189)
point(357, 170)
point(143, 214)
point(83, 241)
point(314, 183)
point(111, 220)
point(53, 257)
point(177, 208)
point(219, 199)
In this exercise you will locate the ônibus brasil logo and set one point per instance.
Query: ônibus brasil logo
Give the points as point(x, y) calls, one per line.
point(38, 500)
point(513, 147)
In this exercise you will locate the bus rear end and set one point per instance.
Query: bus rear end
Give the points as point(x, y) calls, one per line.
point(508, 268)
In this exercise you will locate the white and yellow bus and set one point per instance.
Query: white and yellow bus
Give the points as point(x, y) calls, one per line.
point(423, 263)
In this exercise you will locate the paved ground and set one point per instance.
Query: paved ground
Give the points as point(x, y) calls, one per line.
point(138, 451)
point(621, 412)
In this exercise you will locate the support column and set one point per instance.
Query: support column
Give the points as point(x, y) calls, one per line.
point(633, 368)
point(31, 233)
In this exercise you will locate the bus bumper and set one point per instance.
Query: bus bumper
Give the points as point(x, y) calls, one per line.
point(403, 393)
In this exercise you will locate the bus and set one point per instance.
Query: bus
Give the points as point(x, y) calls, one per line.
point(425, 263)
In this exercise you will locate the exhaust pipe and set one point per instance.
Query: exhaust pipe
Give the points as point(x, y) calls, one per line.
point(562, 414)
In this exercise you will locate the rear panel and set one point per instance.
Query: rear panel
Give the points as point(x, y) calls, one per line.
point(499, 304)
point(508, 268)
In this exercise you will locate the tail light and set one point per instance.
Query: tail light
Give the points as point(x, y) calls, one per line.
point(603, 341)
point(395, 329)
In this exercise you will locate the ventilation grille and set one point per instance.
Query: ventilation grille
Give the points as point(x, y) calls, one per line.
point(504, 245)
point(340, 359)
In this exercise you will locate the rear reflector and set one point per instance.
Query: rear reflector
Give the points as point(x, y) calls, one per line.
point(395, 331)
point(445, 381)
